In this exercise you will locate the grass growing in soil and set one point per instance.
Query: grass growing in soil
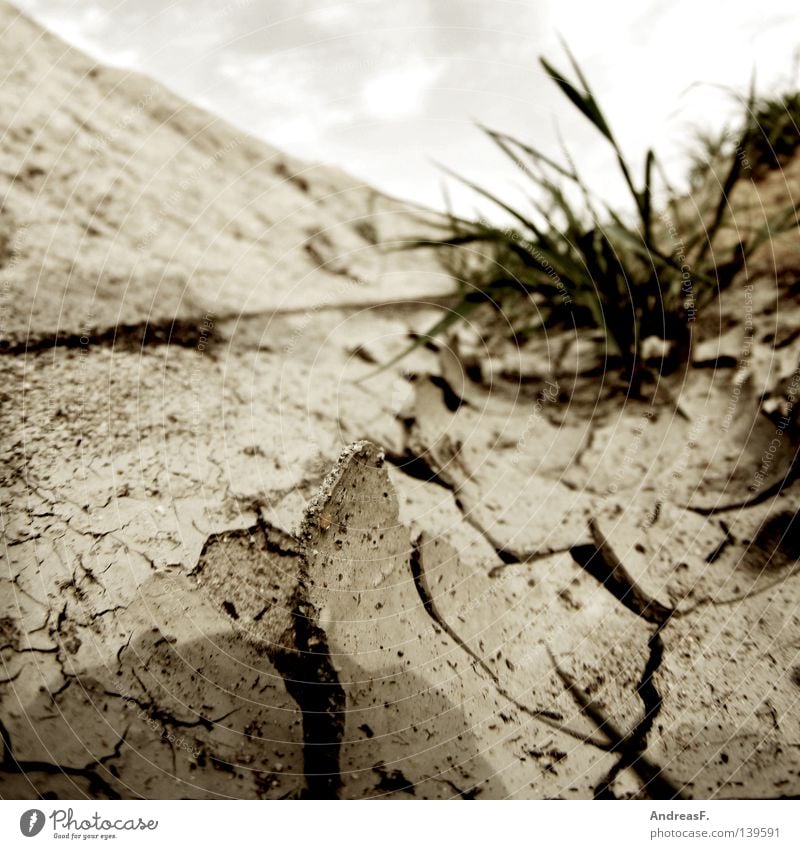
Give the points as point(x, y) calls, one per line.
point(773, 135)
point(570, 259)
point(766, 140)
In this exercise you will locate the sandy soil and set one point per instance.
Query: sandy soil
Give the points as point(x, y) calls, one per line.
point(232, 570)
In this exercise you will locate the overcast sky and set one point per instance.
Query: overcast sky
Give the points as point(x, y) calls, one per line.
point(383, 88)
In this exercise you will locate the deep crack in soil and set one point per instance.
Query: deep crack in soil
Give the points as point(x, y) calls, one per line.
point(312, 681)
point(601, 562)
point(97, 785)
point(300, 655)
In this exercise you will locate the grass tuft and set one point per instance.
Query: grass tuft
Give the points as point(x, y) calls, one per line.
point(570, 259)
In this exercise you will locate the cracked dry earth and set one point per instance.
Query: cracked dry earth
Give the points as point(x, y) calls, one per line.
point(229, 569)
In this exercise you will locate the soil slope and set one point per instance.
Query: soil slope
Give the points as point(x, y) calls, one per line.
point(231, 568)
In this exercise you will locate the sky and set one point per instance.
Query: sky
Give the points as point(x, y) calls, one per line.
point(391, 89)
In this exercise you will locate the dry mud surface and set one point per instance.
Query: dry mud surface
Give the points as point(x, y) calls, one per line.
point(229, 569)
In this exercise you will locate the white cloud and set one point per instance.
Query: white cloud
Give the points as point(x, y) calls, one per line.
point(401, 92)
point(334, 16)
point(282, 98)
point(86, 29)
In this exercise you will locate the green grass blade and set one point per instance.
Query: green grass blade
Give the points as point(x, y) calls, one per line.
point(588, 105)
point(647, 197)
point(506, 143)
point(523, 219)
point(584, 103)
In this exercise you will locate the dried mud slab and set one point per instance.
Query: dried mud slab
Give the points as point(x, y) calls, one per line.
point(684, 562)
point(726, 679)
point(432, 509)
point(522, 514)
point(395, 702)
point(524, 624)
point(185, 708)
point(728, 726)
point(734, 455)
point(418, 700)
